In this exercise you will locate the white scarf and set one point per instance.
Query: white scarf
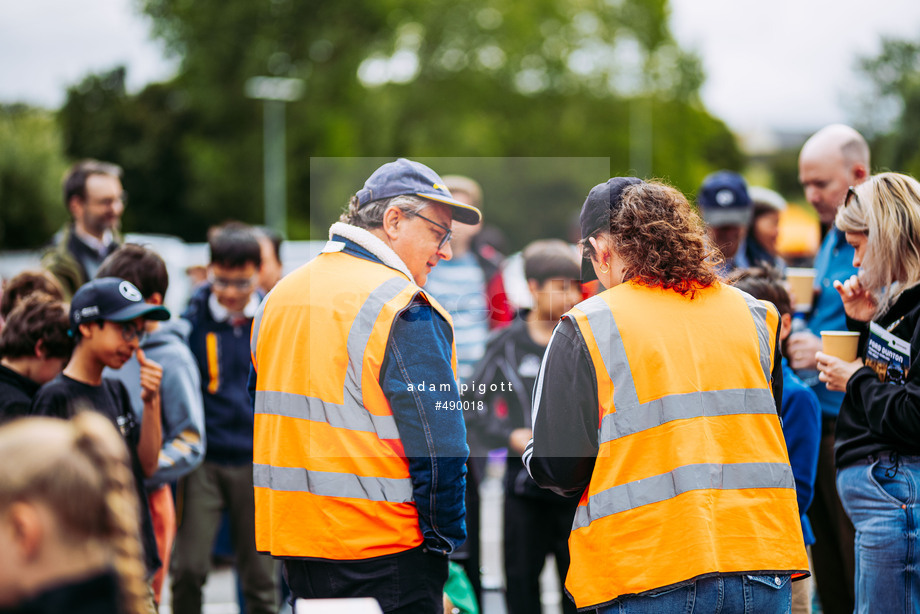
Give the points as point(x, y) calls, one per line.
point(370, 242)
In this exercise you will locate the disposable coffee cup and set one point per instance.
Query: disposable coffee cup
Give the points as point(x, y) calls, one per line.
point(802, 284)
point(840, 343)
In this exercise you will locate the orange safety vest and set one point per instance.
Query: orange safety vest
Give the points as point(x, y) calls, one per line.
point(330, 474)
point(692, 476)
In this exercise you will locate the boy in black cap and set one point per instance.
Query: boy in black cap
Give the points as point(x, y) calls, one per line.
point(107, 322)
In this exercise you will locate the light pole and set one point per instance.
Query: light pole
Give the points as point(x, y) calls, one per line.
point(274, 92)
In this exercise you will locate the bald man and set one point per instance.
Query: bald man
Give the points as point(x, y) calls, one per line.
point(833, 159)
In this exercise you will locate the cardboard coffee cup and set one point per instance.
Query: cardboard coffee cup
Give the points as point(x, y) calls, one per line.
point(840, 343)
point(802, 284)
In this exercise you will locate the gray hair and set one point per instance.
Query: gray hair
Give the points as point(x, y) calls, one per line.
point(371, 215)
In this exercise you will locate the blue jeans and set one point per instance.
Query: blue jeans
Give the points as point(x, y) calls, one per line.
point(879, 495)
point(718, 595)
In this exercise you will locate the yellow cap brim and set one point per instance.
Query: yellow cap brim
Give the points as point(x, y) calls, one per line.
point(462, 212)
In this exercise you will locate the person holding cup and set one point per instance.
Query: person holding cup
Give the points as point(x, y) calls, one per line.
point(878, 429)
point(833, 158)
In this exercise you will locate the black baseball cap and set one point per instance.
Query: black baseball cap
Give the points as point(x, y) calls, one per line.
point(406, 177)
point(724, 200)
point(595, 213)
point(113, 299)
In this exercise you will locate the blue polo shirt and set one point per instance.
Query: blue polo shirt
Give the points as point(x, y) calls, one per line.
point(834, 262)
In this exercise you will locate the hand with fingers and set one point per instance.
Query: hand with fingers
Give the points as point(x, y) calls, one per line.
point(151, 376)
point(151, 435)
point(858, 302)
point(801, 348)
point(836, 372)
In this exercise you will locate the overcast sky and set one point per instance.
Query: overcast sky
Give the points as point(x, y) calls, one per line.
point(783, 64)
point(786, 64)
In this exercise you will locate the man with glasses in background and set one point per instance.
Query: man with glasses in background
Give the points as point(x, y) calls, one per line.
point(220, 314)
point(360, 445)
point(95, 200)
point(833, 159)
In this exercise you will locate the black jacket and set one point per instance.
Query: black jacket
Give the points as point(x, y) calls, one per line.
point(879, 416)
point(504, 381)
point(16, 392)
point(96, 595)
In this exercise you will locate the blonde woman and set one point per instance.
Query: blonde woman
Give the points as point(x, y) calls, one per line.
point(878, 431)
point(68, 519)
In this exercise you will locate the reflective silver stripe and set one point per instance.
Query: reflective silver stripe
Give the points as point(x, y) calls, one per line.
point(632, 417)
point(328, 484)
point(684, 479)
point(349, 415)
point(360, 334)
point(759, 314)
point(637, 418)
point(613, 353)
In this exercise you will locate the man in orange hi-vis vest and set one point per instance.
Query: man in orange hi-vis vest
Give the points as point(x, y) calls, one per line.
point(360, 445)
point(656, 405)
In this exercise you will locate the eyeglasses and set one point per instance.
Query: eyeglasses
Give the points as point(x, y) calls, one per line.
point(445, 238)
point(851, 195)
point(111, 200)
point(222, 283)
point(130, 332)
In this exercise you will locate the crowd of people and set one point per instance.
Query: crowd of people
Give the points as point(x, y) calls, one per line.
point(675, 434)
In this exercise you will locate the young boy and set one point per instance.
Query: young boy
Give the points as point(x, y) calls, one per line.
point(26, 284)
point(221, 314)
point(181, 410)
point(537, 521)
point(34, 347)
point(107, 318)
point(800, 413)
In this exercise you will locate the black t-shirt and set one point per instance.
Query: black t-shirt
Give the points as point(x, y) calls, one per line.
point(16, 392)
point(63, 397)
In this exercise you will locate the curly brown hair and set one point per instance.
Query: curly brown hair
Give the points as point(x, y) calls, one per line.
point(661, 240)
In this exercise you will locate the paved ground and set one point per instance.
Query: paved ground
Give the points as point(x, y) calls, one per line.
point(220, 591)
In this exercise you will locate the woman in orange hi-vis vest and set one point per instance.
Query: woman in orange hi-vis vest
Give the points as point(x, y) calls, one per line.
point(656, 404)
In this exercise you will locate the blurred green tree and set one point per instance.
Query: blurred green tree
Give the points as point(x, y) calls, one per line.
point(146, 134)
point(546, 78)
point(32, 164)
point(890, 113)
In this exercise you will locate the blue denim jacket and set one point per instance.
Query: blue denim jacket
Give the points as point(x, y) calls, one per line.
point(834, 262)
point(433, 436)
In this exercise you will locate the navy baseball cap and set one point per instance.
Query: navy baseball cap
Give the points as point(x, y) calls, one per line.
point(405, 177)
point(724, 200)
point(113, 299)
point(595, 213)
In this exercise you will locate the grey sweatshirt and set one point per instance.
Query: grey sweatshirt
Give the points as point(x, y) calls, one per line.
point(180, 392)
